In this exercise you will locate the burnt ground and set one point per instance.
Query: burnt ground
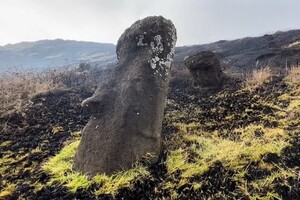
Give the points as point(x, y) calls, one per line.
point(36, 134)
point(29, 138)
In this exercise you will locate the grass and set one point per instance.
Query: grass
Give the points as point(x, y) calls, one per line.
point(239, 150)
point(7, 190)
point(235, 149)
point(269, 182)
point(60, 169)
point(57, 129)
point(17, 87)
point(258, 77)
point(6, 143)
point(233, 154)
point(293, 96)
point(125, 179)
point(293, 76)
point(197, 148)
point(255, 141)
point(6, 162)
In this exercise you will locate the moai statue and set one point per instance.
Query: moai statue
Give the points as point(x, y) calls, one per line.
point(206, 69)
point(127, 112)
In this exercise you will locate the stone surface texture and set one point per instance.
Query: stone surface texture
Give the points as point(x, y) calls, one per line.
point(205, 68)
point(127, 112)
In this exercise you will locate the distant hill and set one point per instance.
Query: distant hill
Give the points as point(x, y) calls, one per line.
point(52, 53)
point(275, 50)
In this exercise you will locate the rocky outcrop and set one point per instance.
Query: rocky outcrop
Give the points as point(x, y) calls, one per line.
point(205, 69)
point(127, 112)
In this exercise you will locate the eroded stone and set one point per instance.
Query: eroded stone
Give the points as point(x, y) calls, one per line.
point(205, 69)
point(127, 112)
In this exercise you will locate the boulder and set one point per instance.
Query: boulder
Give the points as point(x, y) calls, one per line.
point(205, 69)
point(127, 112)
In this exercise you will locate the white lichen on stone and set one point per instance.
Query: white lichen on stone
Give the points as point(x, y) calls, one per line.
point(140, 42)
point(172, 33)
point(158, 47)
point(159, 62)
point(156, 62)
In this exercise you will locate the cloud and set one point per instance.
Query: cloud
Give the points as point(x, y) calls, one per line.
point(197, 21)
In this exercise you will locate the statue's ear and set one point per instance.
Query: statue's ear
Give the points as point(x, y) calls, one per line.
point(87, 102)
point(99, 101)
point(90, 105)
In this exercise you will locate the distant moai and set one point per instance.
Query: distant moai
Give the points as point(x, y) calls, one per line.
point(127, 112)
point(205, 68)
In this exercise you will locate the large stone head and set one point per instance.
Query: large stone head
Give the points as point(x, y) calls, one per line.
point(153, 38)
point(127, 111)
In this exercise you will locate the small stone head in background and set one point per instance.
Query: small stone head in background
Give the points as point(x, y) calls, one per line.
point(206, 69)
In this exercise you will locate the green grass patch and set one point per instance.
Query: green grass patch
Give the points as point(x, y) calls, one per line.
point(7, 190)
point(206, 149)
point(60, 169)
point(111, 184)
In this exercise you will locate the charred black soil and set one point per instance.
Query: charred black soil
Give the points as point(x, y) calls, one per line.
point(29, 138)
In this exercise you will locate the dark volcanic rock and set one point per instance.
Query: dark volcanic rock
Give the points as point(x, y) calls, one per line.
point(127, 112)
point(205, 69)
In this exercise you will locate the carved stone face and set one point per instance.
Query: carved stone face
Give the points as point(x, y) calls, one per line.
point(127, 112)
point(153, 38)
point(205, 69)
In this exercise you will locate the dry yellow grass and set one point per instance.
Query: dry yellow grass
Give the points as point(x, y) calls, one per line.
point(258, 77)
point(293, 75)
point(18, 86)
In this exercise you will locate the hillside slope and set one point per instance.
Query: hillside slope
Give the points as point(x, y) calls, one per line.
point(53, 53)
point(238, 143)
point(276, 50)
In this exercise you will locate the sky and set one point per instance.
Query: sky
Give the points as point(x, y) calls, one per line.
point(196, 21)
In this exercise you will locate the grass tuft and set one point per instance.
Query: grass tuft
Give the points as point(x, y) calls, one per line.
point(293, 76)
point(204, 150)
point(258, 77)
point(7, 191)
point(111, 184)
point(60, 169)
